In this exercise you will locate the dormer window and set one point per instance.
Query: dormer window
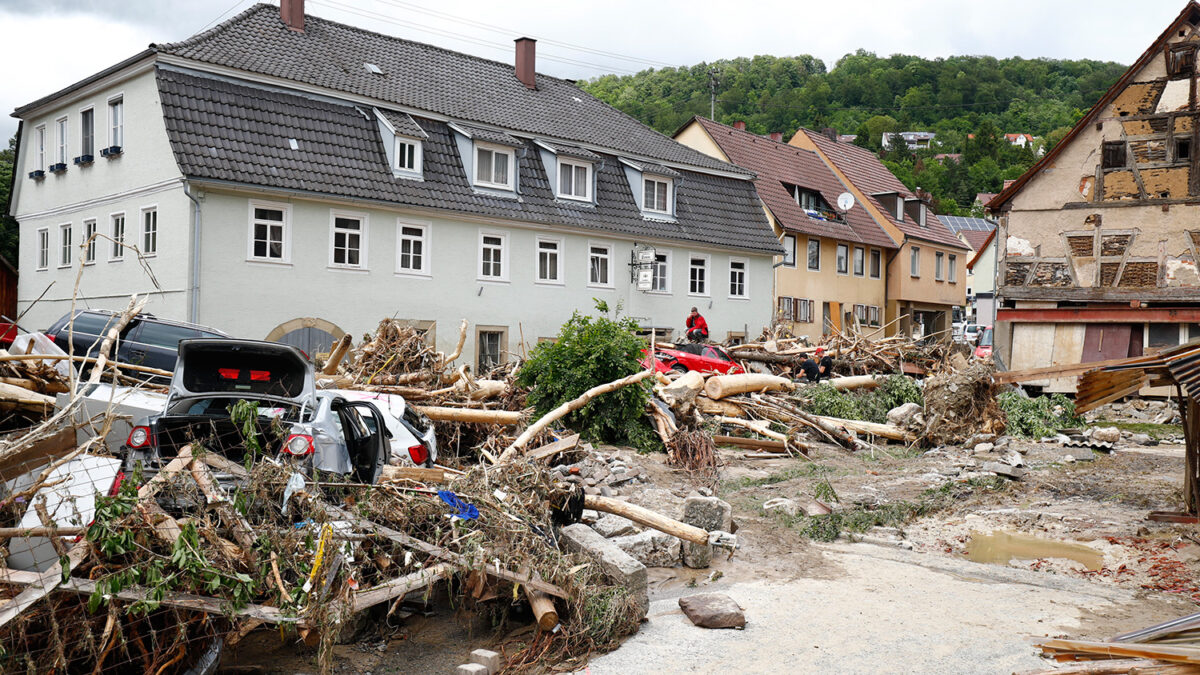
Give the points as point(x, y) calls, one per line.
point(402, 143)
point(656, 195)
point(408, 155)
point(574, 180)
point(493, 166)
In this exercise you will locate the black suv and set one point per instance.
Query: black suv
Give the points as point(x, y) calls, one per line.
point(146, 341)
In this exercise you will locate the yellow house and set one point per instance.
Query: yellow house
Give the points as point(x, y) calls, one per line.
point(926, 276)
point(831, 277)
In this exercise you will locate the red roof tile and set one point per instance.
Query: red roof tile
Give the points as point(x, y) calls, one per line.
point(870, 176)
point(778, 165)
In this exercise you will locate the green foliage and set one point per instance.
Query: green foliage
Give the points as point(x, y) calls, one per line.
point(588, 352)
point(1037, 417)
point(867, 406)
point(8, 224)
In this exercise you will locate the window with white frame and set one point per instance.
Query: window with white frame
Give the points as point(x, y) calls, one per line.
point(150, 232)
point(549, 261)
point(599, 265)
point(348, 245)
point(697, 275)
point(43, 248)
point(268, 232)
point(64, 245)
point(493, 262)
point(876, 263)
point(873, 315)
point(116, 122)
point(39, 147)
point(914, 262)
point(574, 180)
point(789, 250)
point(117, 232)
point(939, 260)
point(412, 249)
point(87, 132)
point(843, 259)
point(493, 166)
point(661, 280)
point(89, 236)
point(952, 275)
point(814, 255)
point(656, 195)
point(60, 140)
point(737, 278)
point(860, 261)
point(408, 155)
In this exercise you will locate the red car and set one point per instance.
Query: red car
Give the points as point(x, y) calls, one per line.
point(984, 348)
point(702, 357)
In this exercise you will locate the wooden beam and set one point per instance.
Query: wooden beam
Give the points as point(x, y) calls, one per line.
point(551, 449)
point(1171, 653)
point(1101, 315)
point(755, 443)
point(398, 587)
point(470, 415)
point(644, 516)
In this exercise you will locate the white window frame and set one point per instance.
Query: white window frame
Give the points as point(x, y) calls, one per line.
point(39, 139)
point(83, 110)
point(837, 260)
point(146, 253)
point(952, 268)
point(939, 266)
point(559, 254)
point(808, 255)
point(914, 262)
point(875, 254)
point(745, 263)
point(670, 188)
point(854, 260)
point(62, 132)
point(43, 253)
point(116, 122)
point(65, 243)
point(496, 149)
point(666, 273)
point(426, 228)
point(118, 238)
point(89, 253)
point(418, 160)
point(505, 258)
point(706, 290)
point(287, 232)
point(607, 256)
point(364, 227)
point(789, 250)
point(587, 179)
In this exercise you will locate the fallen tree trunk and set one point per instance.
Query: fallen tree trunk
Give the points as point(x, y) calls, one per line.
point(759, 427)
point(541, 604)
point(644, 516)
point(395, 588)
point(567, 408)
point(470, 415)
point(774, 447)
point(486, 389)
point(339, 352)
point(727, 408)
point(462, 340)
point(872, 428)
point(720, 386)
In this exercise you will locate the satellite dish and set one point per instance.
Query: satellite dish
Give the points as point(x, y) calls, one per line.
point(845, 201)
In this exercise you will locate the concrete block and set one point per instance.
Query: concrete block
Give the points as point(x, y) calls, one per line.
point(708, 513)
point(489, 659)
point(652, 548)
point(471, 669)
point(1005, 470)
point(612, 525)
point(622, 568)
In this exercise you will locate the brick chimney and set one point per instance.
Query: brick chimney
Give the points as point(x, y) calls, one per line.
point(830, 133)
point(292, 13)
point(739, 125)
point(777, 136)
point(525, 61)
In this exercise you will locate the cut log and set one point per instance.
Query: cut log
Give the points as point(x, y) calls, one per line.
point(855, 382)
point(396, 588)
point(872, 428)
point(470, 415)
point(776, 447)
point(567, 408)
point(727, 408)
point(644, 516)
point(336, 356)
point(21, 459)
point(720, 386)
point(541, 604)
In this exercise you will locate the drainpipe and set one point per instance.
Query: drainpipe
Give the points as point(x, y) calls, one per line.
point(194, 290)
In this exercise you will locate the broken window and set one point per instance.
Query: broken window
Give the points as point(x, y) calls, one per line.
point(1183, 149)
point(1181, 61)
point(1114, 155)
point(785, 308)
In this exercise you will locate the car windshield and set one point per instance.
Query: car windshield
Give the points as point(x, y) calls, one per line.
point(985, 340)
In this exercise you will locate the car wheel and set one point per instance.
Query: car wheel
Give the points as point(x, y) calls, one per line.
point(679, 368)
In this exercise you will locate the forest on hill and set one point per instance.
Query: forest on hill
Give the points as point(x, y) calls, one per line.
point(868, 95)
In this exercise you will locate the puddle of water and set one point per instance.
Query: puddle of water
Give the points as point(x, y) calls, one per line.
point(999, 547)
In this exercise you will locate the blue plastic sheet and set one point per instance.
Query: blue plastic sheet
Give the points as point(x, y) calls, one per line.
point(461, 509)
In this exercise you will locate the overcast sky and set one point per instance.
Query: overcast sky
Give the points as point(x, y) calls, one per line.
point(48, 44)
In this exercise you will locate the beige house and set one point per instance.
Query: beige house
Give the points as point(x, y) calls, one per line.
point(926, 276)
point(831, 277)
point(1098, 241)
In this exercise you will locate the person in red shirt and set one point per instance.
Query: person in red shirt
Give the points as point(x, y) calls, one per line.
point(697, 327)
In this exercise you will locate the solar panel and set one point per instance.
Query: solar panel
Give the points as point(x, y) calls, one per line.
point(960, 223)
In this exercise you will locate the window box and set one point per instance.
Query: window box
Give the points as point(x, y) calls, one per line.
point(37, 175)
point(111, 151)
point(58, 168)
point(83, 160)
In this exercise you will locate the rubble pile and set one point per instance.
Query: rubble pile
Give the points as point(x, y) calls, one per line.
point(960, 403)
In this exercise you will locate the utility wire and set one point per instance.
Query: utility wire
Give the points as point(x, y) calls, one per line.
point(222, 15)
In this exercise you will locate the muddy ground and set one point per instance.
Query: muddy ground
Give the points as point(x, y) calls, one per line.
point(1076, 557)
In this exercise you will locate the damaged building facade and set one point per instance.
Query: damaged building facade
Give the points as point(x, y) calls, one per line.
point(1098, 241)
point(289, 178)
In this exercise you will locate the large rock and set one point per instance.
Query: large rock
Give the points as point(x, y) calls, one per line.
point(622, 568)
point(984, 448)
point(651, 548)
point(1106, 434)
point(1142, 439)
point(902, 415)
point(713, 610)
point(612, 525)
point(706, 513)
point(783, 505)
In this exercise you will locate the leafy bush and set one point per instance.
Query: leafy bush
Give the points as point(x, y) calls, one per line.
point(591, 351)
point(1038, 417)
point(868, 406)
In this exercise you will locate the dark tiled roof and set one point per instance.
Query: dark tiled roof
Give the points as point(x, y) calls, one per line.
point(427, 78)
point(233, 132)
point(869, 175)
point(489, 135)
point(563, 150)
point(777, 165)
point(656, 169)
point(403, 124)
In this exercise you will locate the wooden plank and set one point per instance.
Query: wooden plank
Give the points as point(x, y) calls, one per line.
point(415, 473)
point(1147, 651)
point(395, 588)
point(1115, 394)
point(23, 460)
point(547, 451)
point(1047, 372)
point(42, 584)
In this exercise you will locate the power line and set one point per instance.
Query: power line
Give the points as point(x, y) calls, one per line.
point(782, 106)
point(220, 16)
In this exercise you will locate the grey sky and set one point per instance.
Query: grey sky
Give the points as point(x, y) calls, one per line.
point(51, 43)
